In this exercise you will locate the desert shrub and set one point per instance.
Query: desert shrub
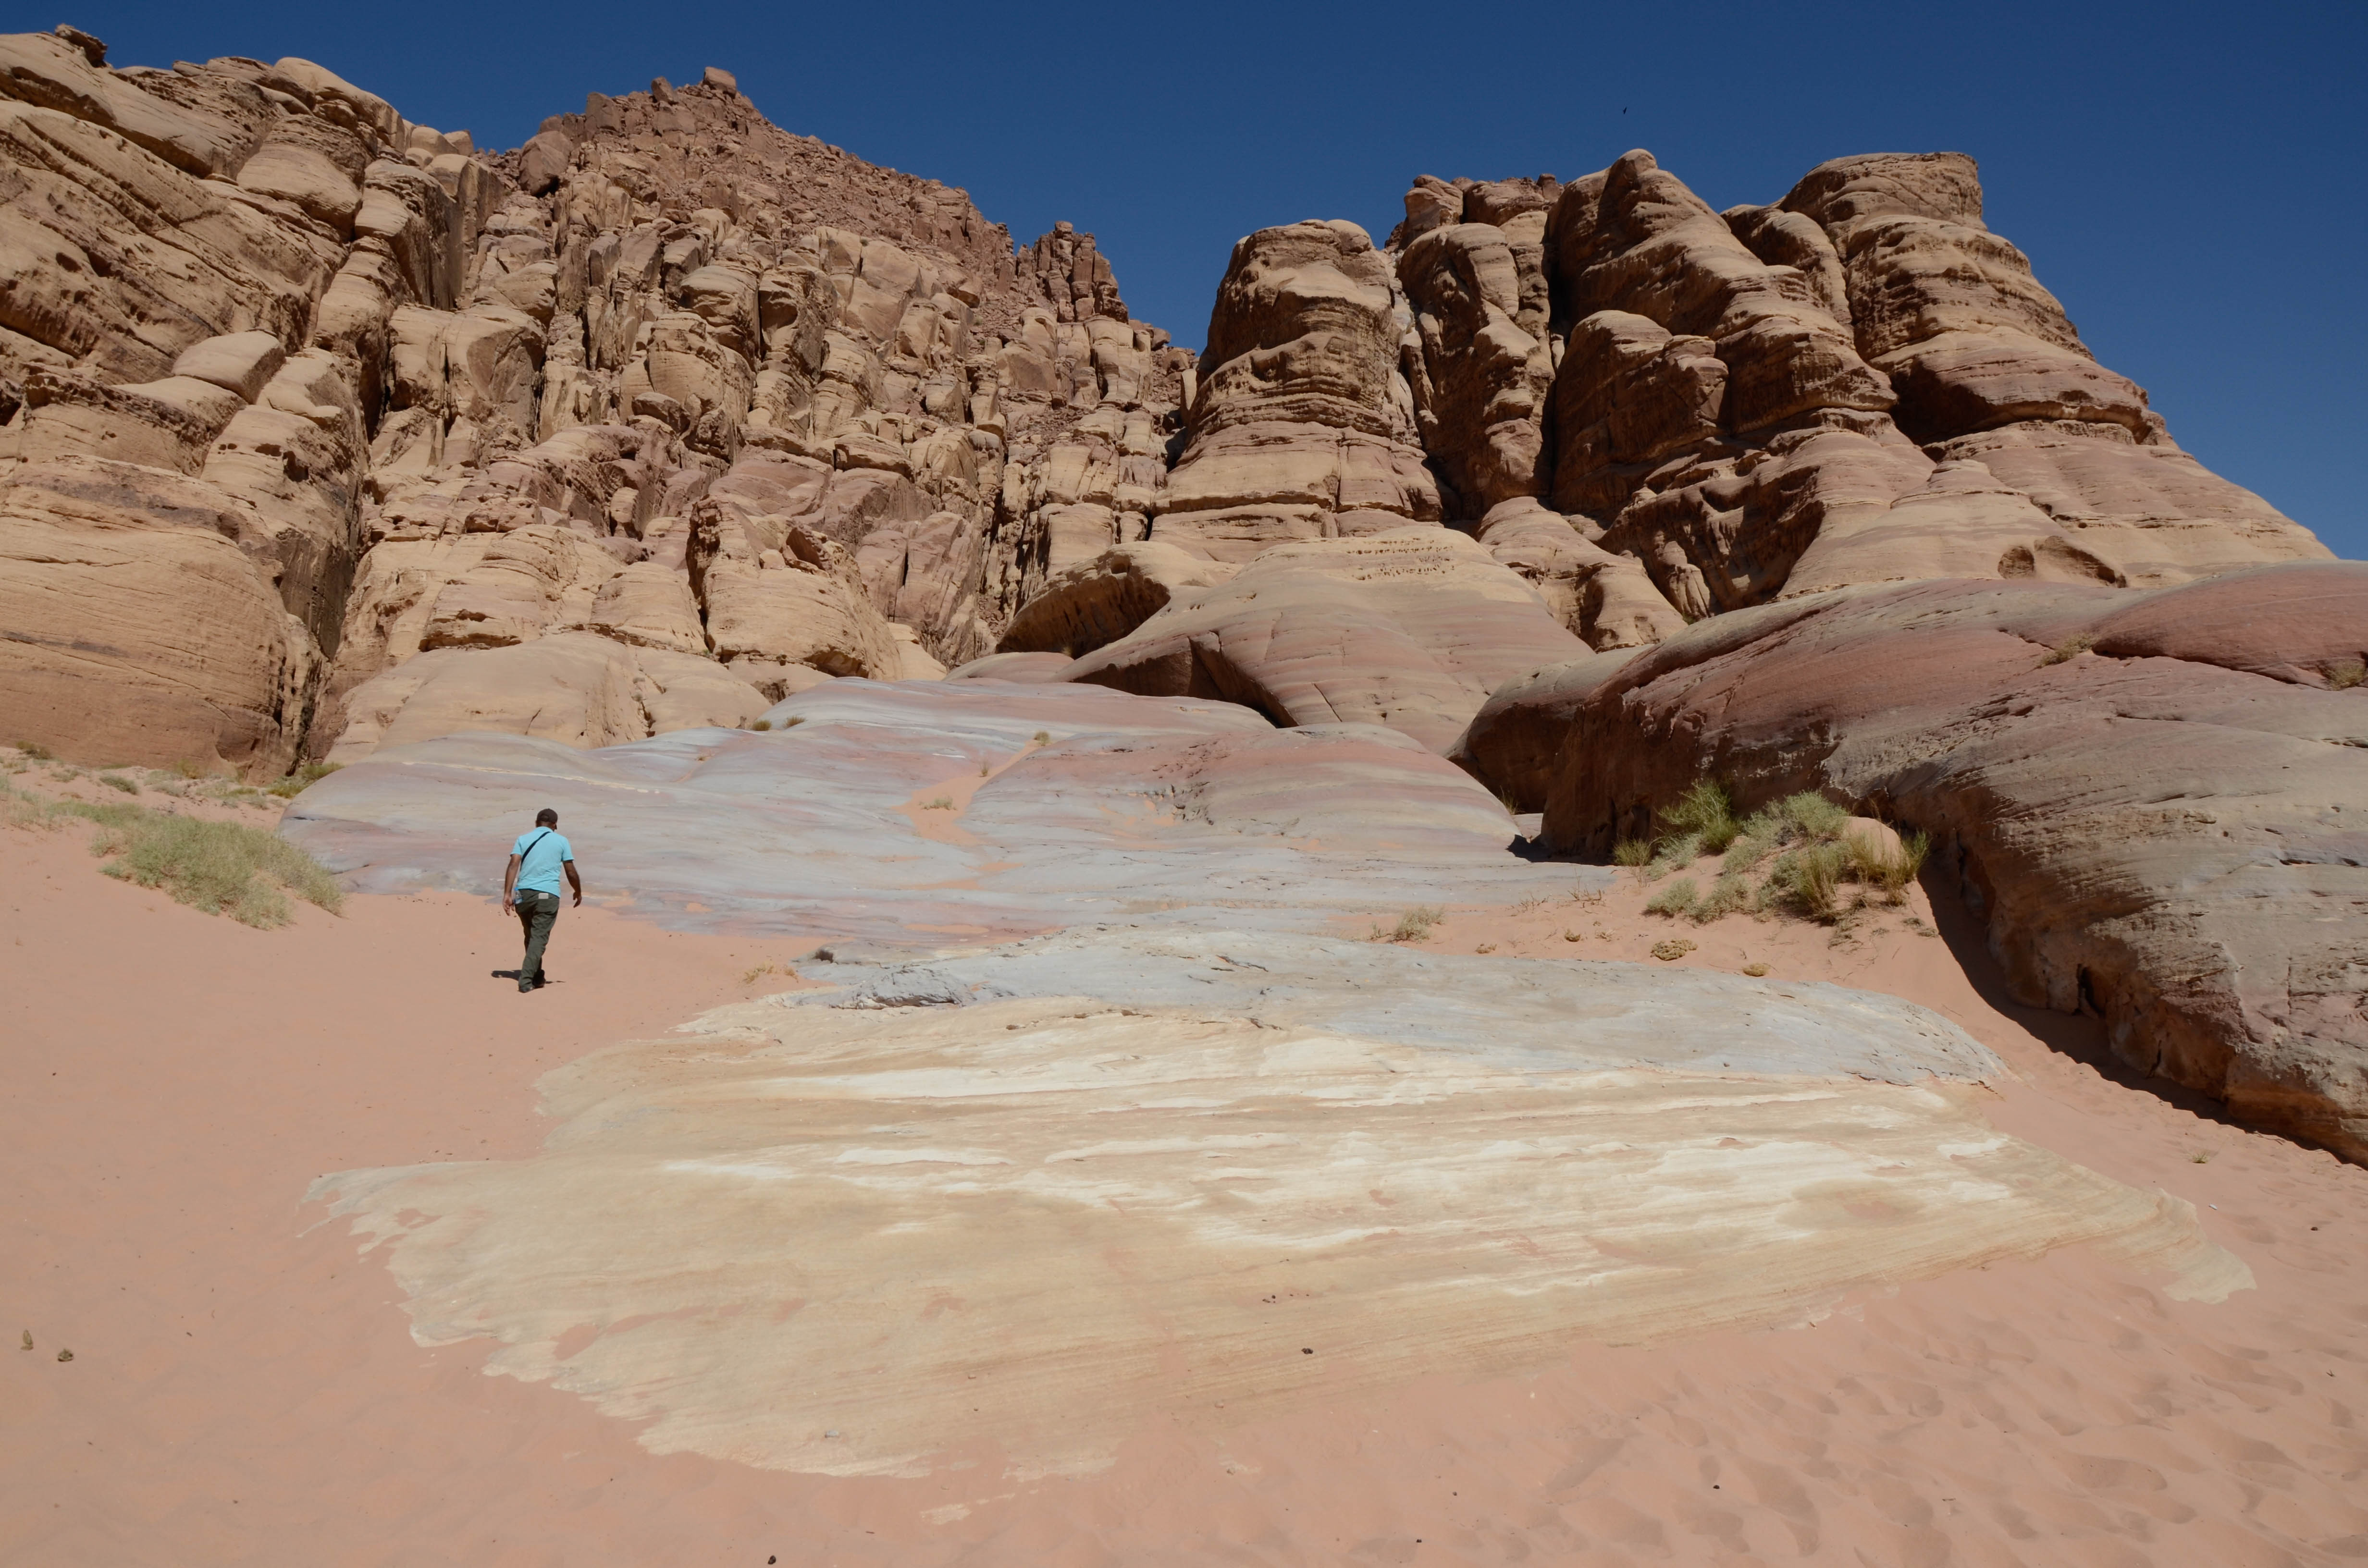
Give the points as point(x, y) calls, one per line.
point(1807, 879)
point(1811, 816)
point(761, 725)
point(1414, 926)
point(117, 781)
point(1731, 894)
point(1632, 852)
point(2347, 674)
point(2069, 649)
point(304, 778)
point(1673, 855)
point(38, 753)
point(1678, 898)
point(222, 867)
point(189, 768)
point(1706, 813)
point(942, 803)
point(1042, 737)
point(1888, 870)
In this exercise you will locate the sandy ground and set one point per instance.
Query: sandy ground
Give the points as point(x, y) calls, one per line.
point(244, 1388)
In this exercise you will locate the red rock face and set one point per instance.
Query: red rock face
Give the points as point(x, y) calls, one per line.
point(2158, 802)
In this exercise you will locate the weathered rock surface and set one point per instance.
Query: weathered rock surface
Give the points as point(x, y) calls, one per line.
point(382, 346)
point(575, 688)
point(1182, 1098)
point(1096, 602)
point(1411, 628)
point(1752, 404)
point(2149, 798)
point(449, 398)
point(1172, 810)
point(1609, 600)
point(1302, 427)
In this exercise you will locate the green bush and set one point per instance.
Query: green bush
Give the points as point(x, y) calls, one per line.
point(1731, 894)
point(1678, 898)
point(1706, 813)
point(1808, 879)
point(222, 867)
point(1804, 833)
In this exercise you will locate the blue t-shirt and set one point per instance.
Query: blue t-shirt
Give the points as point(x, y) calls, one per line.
point(543, 851)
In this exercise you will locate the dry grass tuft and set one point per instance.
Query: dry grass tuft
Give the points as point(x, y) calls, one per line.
point(2069, 649)
point(222, 867)
point(1678, 898)
point(2347, 674)
point(1800, 840)
point(761, 725)
point(942, 803)
point(1414, 926)
point(303, 778)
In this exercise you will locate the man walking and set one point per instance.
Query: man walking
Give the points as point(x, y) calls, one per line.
point(532, 887)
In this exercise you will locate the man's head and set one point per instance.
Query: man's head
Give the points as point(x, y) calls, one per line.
point(546, 818)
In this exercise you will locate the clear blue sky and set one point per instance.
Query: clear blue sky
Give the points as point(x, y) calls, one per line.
point(2189, 179)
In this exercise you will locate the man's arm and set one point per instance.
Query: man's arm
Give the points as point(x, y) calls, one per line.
point(510, 883)
point(574, 880)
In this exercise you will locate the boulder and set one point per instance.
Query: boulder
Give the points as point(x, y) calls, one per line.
point(1410, 629)
point(774, 614)
point(1096, 602)
point(1513, 743)
point(2161, 836)
point(649, 606)
point(1480, 382)
point(167, 424)
point(1026, 669)
point(1609, 600)
point(575, 688)
point(527, 581)
point(913, 662)
point(242, 362)
point(1300, 415)
point(134, 626)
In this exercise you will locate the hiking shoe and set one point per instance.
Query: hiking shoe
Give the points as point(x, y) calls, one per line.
point(525, 985)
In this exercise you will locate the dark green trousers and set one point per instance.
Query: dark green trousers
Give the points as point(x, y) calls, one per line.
point(537, 913)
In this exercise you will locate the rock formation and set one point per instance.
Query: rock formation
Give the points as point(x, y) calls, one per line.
point(1301, 427)
point(2149, 798)
point(666, 376)
point(1411, 628)
point(1859, 383)
point(322, 431)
